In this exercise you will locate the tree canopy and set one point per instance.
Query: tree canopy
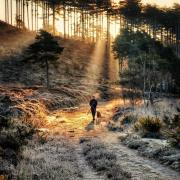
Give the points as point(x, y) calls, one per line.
point(148, 63)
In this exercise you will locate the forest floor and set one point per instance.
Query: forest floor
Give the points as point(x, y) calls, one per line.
point(61, 155)
point(59, 149)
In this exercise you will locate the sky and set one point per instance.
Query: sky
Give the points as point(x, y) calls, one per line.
point(161, 3)
point(166, 3)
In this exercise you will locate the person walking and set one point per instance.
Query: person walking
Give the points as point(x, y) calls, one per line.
point(93, 105)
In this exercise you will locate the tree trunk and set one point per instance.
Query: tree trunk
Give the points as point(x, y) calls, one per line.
point(37, 15)
point(64, 18)
point(82, 20)
point(27, 8)
point(8, 11)
point(74, 21)
point(53, 19)
point(47, 73)
point(11, 14)
point(144, 79)
point(32, 16)
point(16, 12)
point(5, 11)
point(23, 14)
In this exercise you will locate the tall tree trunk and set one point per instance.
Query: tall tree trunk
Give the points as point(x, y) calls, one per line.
point(82, 20)
point(37, 25)
point(48, 14)
point(64, 18)
point(11, 13)
point(32, 16)
point(93, 28)
point(16, 11)
point(68, 22)
point(35, 16)
point(23, 13)
point(21, 21)
point(47, 73)
point(108, 27)
point(97, 34)
point(54, 19)
point(8, 11)
point(144, 79)
point(5, 11)
point(74, 21)
point(27, 8)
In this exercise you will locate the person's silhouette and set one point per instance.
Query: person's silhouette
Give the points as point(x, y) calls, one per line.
point(93, 104)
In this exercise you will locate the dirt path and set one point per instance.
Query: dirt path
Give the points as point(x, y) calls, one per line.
point(77, 124)
point(58, 155)
point(141, 168)
point(61, 156)
point(88, 173)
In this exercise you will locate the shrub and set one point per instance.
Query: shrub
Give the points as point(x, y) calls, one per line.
point(42, 139)
point(167, 121)
point(137, 126)
point(114, 126)
point(4, 121)
point(174, 137)
point(174, 132)
point(102, 160)
point(97, 155)
point(176, 120)
point(149, 126)
point(116, 173)
point(10, 141)
point(128, 119)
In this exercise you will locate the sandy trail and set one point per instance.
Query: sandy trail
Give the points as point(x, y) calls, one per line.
point(75, 125)
point(87, 173)
point(141, 168)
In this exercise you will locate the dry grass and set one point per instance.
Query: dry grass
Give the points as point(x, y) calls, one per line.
point(173, 130)
point(22, 107)
point(149, 127)
point(32, 113)
point(53, 160)
point(149, 124)
point(102, 160)
point(31, 106)
point(162, 107)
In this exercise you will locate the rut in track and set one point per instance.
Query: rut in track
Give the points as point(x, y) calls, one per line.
point(87, 172)
point(140, 168)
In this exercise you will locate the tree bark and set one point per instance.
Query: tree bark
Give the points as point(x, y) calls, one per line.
point(47, 74)
point(27, 7)
point(64, 18)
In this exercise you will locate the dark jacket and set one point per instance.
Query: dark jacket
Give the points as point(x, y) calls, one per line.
point(93, 103)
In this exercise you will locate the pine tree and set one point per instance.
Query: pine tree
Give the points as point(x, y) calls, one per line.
point(45, 50)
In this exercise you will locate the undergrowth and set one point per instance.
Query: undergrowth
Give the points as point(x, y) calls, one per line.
point(148, 126)
point(102, 160)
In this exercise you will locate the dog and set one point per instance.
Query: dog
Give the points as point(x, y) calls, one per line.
point(98, 114)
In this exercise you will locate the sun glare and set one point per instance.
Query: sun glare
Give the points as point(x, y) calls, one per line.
point(166, 3)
